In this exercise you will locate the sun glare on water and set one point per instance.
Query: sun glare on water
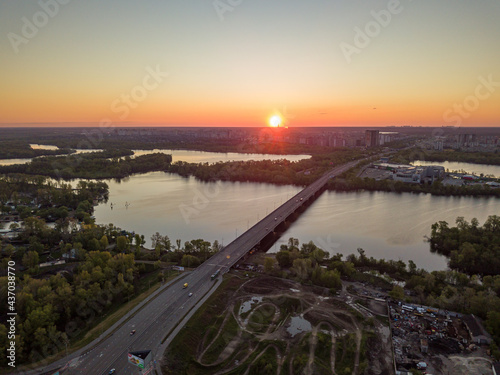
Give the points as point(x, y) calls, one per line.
point(275, 121)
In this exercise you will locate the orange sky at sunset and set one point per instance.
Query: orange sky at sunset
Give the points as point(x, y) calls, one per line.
point(317, 63)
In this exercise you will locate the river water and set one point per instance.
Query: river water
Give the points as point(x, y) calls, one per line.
point(385, 225)
point(178, 155)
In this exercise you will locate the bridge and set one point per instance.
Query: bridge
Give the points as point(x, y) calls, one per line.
point(257, 234)
point(156, 321)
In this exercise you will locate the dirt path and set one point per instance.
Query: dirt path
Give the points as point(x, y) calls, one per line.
point(313, 341)
point(332, 354)
point(230, 347)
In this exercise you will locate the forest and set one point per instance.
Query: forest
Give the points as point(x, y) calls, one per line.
point(15, 149)
point(282, 171)
point(471, 248)
point(95, 165)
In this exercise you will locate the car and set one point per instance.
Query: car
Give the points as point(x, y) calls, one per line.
point(132, 332)
point(190, 294)
point(112, 371)
point(275, 218)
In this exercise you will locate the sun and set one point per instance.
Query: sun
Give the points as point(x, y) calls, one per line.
point(275, 121)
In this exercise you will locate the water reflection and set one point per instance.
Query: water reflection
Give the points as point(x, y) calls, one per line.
point(298, 325)
point(385, 225)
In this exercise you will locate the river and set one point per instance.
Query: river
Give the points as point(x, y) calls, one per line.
point(385, 225)
point(179, 155)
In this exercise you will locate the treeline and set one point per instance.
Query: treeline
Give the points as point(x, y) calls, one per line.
point(282, 171)
point(35, 197)
point(437, 188)
point(13, 149)
point(471, 248)
point(95, 165)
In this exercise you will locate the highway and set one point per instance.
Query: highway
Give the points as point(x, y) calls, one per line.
point(165, 312)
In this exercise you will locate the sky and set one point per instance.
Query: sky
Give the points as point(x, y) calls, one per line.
point(239, 62)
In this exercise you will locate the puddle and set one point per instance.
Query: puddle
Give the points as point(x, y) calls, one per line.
point(298, 325)
point(247, 305)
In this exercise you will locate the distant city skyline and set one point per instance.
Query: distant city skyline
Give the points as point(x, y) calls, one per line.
point(240, 63)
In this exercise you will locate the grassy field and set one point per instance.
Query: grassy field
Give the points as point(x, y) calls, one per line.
point(183, 349)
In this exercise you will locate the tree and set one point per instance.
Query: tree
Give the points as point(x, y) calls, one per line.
point(104, 242)
point(331, 279)
point(412, 267)
point(216, 246)
point(163, 242)
point(293, 244)
point(302, 268)
point(397, 293)
point(138, 241)
point(189, 261)
point(30, 259)
point(122, 243)
point(269, 265)
point(284, 259)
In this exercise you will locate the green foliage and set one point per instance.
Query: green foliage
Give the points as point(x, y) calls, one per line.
point(397, 293)
point(122, 243)
point(17, 149)
point(345, 351)
point(95, 165)
point(190, 261)
point(269, 264)
point(284, 259)
point(277, 171)
point(472, 249)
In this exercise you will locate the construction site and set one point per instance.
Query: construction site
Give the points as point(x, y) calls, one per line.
point(438, 342)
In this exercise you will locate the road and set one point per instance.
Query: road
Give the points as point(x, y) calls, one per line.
point(165, 312)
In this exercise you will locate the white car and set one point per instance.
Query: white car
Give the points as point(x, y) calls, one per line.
point(190, 294)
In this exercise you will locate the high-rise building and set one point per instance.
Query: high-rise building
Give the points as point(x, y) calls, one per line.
point(372, 138)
